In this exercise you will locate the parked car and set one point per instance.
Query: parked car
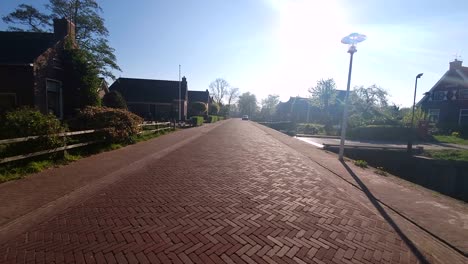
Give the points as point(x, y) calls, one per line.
point(245, 117)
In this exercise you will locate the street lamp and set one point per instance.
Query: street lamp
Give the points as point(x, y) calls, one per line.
point(410, 141)
point(351, 40)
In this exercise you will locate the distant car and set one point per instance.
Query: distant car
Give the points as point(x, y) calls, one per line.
point(245, 117)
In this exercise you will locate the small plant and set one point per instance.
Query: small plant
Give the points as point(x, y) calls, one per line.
point(380, 171)
point(456, 134)
point(361, 163)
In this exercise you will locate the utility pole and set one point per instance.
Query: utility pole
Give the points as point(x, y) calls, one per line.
point(180, 98)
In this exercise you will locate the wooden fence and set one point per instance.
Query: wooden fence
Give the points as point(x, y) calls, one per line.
point(65, 135)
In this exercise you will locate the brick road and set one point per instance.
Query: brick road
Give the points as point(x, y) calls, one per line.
point(233, 195)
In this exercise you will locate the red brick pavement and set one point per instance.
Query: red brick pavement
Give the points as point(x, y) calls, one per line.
point(233, 195)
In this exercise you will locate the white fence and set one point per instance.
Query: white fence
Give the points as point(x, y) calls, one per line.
point(157, 126)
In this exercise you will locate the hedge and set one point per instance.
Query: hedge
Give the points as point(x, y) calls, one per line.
point(118, 125)
point(197, 120)
point(381, 133)
point(25, 122)
point(310, 128)
point(213, 119)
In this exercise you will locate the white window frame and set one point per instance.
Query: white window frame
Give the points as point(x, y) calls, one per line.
point(60, 92)
point(460, 95)
point(429, 114)
point(460, 115)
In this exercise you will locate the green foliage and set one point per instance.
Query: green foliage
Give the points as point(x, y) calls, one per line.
point(197, 120)
point(118, 125)
point(324, 94)
point(248, 104)
point(114, 99)
point(310, 129)
point(380, 133)
point(369, 106)
point(418, 116)
point(361, 163)
point(451, 139)
point(213, 119)
point(82, 80)
point(25, 122)
point(214, 109)
point(455, 134)
point(28, 16)
point(220, 118)
point(198, 108)
point(269, 107)
point(91, 33)
point(447, 154)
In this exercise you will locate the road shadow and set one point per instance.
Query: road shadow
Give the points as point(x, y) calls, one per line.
point(384, 214)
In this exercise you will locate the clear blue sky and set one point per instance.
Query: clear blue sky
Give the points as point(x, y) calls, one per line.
point(284, 46)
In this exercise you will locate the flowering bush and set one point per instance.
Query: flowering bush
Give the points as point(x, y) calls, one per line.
point(118, 125)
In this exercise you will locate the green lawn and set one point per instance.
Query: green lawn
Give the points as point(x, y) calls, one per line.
point(451, 139)
point(447, 154)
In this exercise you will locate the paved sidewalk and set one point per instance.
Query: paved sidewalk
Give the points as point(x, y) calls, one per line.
point(235, 194)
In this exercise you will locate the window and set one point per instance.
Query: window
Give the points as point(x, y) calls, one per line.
point(463, 118)
point(54, 98)
point(7, 101)
point(433, 115)
point(439, 95)
point(463, 95)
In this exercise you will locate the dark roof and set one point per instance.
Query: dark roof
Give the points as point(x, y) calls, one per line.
point(23, 47)
point(199, 96)
point(145, 90)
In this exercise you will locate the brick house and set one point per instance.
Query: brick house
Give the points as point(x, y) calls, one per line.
point(153, 99)
point(31, 68)
point(446, 103)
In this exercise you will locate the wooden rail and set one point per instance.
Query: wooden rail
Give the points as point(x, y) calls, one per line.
point(159, 127)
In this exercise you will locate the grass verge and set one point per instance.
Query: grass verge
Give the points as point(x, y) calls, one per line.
point(451, 139)
point(17, 170)
point(447, 154)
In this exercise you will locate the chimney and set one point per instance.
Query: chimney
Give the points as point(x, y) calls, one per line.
point(63, 28)
point(456, 64)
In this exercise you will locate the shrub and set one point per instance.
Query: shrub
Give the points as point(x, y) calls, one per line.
point(198, 108)
point(311, 129)
point(455, 134)
point(220, 118)
point(118, 125)
point(25, 122)
point(212, 119)
point(197, 120)
point(361, 163)
point(381, 133)
point(214, 109)
point(114, 99)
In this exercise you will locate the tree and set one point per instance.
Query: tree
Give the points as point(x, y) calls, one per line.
point(368, 106)
point(214, 109)
point(91, 33)
point(248, 104)
point(269, 106)
point(198, 108)
point(219, 89)
point(29, 17)
point(82, 80)
point(114, 99)
point(232, 95)
point(323, 94)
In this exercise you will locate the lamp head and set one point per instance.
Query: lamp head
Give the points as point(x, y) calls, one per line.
point(419, 75)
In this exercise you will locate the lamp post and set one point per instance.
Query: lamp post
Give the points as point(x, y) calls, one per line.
point(410, 141)
point(351, 40)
